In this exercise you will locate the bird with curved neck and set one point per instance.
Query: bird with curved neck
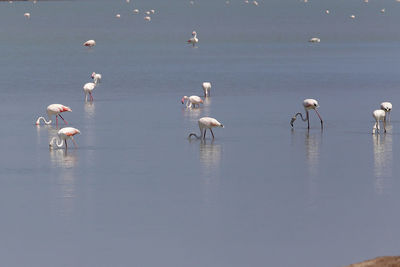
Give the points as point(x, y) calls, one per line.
point(308, 104)
point(192, 101)
point(204, 124)
point(88, 89)
point(54, 109)
point(96, 77)
point(387, 107)
point(194, 40)
point(63, 135)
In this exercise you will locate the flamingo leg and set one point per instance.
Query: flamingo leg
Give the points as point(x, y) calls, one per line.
point(308, 119)
point(65, 141)
point(63, 119)
point(319, 116)
point(91, 97)
point(374, 128)
point(204, 135)
point(384, 125)
point(212, 133)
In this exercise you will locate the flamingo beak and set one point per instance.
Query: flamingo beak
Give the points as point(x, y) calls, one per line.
point(183, 100)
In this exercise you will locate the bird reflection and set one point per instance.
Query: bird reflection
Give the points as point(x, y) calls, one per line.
point(312, 143)
point(62, 158)
point(210, 154)
point(90, 110)
point(383, 161)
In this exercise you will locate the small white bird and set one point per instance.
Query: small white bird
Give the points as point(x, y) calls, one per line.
point(136, 11)
point(147, 18)
point(204, 124)
point(54, 109)
point(308, 104)
point(192, 101)
point(314, 40)
point(27, 15)
point(64, 134)
point(89, 43)
point(379, 115)
point(352, 16)
point(87, 89)
point(255, 3)
point(152, 11)
point(147, 12)
point(194, 40)
point(387, 107)
point(96, 77)
point(383, 10)
point(327, 11)
point(206, 88)
point(118, 16)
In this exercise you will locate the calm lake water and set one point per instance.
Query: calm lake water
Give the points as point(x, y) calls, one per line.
point(136, 192)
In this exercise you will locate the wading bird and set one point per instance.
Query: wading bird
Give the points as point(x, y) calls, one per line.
point(87, 89)
point(308, 104)
point(206, 88)
point(204, 124)
point(379, 115)
point(96, 77)
point(387, 107)
point(54, 109)
point(194, 40)
point(89, 43)
point(192, 101)
point(64, 134)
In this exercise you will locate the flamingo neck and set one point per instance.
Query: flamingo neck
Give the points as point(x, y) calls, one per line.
point(44, 120)
point(54, 140)
point(195, 135)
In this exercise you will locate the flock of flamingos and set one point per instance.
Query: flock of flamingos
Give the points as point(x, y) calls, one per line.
point(205, 123)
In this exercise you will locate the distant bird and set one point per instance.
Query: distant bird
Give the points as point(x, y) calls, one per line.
point(387, 107)
point(204, 124)
point(27, 15)
point(308, 105)
point(118, 16)
point(255, 3)
point(87, 89)
point(54, 109)
point(136, 11)
point(194, 40)
point(383, 10)
point(128, 1)
point(64, 134)
point(89, 43)
point(314, 40)
point(206, 88)
point(96, 77)
point(152, 11)
point(246, 1)
point(147, 18)
point(192, 101)
point(379, 115)
point(353, 16)
point(327, 11)
point(147, 12)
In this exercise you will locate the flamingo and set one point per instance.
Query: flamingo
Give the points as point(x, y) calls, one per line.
point(204, 124)
point(88, 88)
point(327, 11)
point(194, 40)
point(353, 16)
point(379, 115)
point(89, 43)
point(118, 16)
point(206, 88)
point(147, 18)
point(54, 109)
point(308, 104)
point(192, 101)
point(387, 107)
point(136, 11)
point(64, 134)
point(152, 11)
point(27, 15)
point(147, 12)
point(96, 77)
point(314, 40)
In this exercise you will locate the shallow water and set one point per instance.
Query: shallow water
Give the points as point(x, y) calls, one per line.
point(136, 192)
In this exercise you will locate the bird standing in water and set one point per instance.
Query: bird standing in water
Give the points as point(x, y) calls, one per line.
point(308, 105)
point(204, 124)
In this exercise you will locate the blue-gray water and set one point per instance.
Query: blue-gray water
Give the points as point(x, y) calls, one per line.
point(136, 192)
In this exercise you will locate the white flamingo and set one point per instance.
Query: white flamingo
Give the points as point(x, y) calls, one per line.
point(87, 89)
point(308, 105)
point(89, 43)
point(314, 40)
point(96, 77)
point(387, 107)
point(54, 109)
point(206, 88)
point(192, 101)
point(27, 15)
point(204, 124)
point(379, 115)
point(64, 134)
point(194, 40)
